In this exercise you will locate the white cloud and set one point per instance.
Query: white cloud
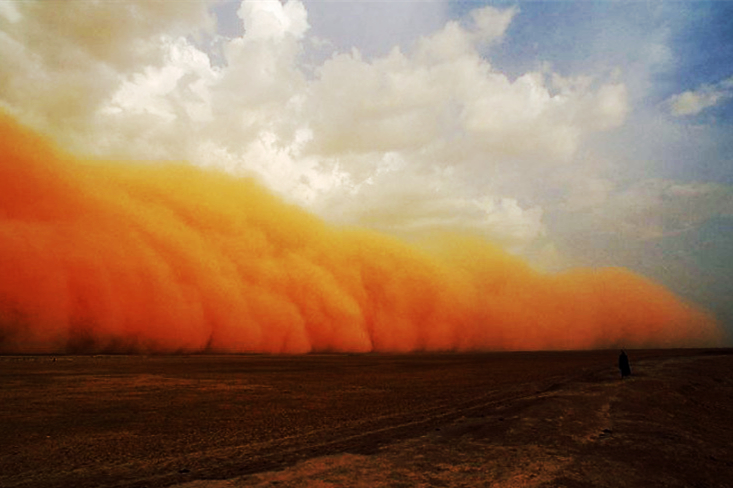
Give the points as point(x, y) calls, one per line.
point(491, 23)
point(63, 60)
point(692, 102)
point(271, 20)
point(403, 200)
point(412, 140)
point(181, 82)
point(122, 34)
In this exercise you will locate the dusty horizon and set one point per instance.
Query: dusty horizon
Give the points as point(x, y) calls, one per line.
point(103, 256)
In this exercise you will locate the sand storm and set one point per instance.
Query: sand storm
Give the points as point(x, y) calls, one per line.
point(113, 256)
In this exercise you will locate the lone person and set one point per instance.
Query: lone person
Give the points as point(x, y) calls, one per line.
point(623, 365)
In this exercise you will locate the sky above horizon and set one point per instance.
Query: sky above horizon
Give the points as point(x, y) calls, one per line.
point(570, 133)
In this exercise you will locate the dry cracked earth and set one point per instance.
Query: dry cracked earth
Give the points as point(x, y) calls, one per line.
point(539, 419)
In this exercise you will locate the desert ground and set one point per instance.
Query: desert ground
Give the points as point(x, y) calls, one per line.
point(545, 419)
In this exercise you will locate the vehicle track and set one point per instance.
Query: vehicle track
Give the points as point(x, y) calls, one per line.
point(361, 437)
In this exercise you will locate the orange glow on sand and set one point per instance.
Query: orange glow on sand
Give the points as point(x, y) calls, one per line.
point(141, 257)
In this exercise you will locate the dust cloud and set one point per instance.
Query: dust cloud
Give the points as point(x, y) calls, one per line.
point(99, 256)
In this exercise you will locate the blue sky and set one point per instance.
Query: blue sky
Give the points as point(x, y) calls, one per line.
point(572, 133)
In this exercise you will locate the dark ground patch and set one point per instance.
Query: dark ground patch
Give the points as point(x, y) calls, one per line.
point(509, 419)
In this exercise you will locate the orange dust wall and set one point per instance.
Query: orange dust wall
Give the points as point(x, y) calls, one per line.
point(151, 257)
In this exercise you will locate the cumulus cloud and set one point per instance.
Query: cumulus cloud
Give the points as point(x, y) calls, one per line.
point(62, 61)
point(491, 23)
point(403, 201)
point(404, 134)
point(270, 19)
point(692, 102)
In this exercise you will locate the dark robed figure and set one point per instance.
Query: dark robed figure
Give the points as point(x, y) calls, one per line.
point(623, 365)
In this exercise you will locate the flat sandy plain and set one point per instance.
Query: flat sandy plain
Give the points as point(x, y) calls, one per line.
point(495, 419)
